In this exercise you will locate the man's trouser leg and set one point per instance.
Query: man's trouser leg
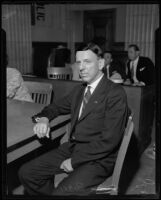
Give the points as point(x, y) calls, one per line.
point(37, 176)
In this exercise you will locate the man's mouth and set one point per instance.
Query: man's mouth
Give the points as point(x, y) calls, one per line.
point(83, 75)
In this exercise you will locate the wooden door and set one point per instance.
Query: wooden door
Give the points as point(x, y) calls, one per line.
point(99, 26)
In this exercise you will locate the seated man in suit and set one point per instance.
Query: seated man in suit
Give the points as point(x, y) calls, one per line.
point(140, 70)
point(112, 68)
point(99, 113)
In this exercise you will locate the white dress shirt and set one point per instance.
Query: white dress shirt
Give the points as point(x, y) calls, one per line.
point(134, 63)
point(92, 88)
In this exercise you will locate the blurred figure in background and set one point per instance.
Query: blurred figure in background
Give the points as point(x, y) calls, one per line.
point(16, 88)
point(112, 68)
point(140, 70)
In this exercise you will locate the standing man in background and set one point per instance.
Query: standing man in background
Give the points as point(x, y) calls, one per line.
point(140, 70)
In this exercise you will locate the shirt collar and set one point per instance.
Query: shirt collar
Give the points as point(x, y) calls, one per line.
point(136, 60)
point(95, 83)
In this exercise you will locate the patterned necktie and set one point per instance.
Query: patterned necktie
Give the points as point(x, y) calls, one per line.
point(86, 98)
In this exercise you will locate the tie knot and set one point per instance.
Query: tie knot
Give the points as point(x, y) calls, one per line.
point(88, 93)
point(86, 98)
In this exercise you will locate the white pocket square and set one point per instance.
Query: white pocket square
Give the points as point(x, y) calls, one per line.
point(141, 69)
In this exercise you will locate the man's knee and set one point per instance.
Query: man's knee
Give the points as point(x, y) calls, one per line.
point(24, 172)
point(69, 189)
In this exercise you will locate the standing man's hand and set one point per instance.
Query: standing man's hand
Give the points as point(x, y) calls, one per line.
point(66, 165)
point(139, 84)
point(41, 128)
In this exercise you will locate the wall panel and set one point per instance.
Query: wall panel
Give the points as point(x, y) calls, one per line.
point(141, 23)
point(16, 21)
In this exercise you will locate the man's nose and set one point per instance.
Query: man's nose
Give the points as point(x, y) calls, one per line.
point(82, 66)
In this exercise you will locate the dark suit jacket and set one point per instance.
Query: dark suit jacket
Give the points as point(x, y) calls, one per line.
point(98, 132)
point(144, 72)
point(115, 66)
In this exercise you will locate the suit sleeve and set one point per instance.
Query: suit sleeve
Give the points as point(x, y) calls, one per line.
point(60, 107)
point(150, 72)
point(114, 125)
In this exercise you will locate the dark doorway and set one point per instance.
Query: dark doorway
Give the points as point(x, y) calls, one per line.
point(99, 25)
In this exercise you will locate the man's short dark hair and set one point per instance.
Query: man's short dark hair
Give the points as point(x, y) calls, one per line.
point(93, 47)
point(136, 48)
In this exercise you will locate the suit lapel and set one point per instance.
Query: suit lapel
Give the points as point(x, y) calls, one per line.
point(95, 98)
point(138, 67)
point(78, 102)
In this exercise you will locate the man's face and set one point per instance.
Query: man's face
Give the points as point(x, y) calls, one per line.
point(108, 58)
point(132, 54)
point(89, 65)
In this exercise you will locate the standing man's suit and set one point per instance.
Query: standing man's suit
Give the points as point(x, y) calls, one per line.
point(93, 144)
point(144, 72)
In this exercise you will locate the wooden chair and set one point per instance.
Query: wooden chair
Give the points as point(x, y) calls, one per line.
point(110, 185)
point(40, 92)
point(64, 73)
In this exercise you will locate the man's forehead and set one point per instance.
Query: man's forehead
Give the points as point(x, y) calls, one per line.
point(87, 54)
point(107, 54)
point(131, 49)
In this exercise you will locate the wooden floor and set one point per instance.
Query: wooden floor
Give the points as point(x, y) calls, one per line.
point(141, 176)
point(143, 181)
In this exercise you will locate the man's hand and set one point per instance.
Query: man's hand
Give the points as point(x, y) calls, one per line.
point(139, 83)
point(42, 129)
point(66, 165)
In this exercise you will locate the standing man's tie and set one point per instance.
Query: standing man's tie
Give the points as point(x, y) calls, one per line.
point(86, 99)
point(133, 73)
point(132, 70)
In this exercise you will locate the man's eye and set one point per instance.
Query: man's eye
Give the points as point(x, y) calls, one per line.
point(87, 61)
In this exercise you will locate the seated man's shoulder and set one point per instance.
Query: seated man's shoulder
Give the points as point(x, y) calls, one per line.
point(145, 59)
point(117, 89)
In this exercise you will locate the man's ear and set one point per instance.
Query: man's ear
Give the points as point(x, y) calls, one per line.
point(101, 63)
point(137, 53)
